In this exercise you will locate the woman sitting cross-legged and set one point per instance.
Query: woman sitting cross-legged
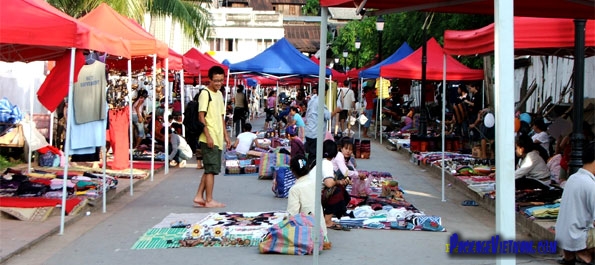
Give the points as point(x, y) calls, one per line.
point(301, 194)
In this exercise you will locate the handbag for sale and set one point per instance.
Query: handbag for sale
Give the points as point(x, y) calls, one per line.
point(291, 236)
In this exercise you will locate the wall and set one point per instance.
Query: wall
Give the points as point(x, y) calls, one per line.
point(552, 75)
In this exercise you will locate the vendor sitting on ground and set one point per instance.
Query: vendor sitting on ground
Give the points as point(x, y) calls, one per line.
point(180, 150)
point(532, 172)
point(334, 196)
point(342, 163)
point(244, 141)
point(301, 194)
point(407, 121)
point(295, 142)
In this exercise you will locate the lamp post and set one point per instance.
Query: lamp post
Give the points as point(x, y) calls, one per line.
point(345, 54)
point(423, 118)
point(358, 44)
point(380, 28)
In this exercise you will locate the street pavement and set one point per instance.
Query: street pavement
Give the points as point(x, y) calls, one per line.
point(107, 238)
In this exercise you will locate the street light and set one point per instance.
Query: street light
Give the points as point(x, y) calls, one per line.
point(345, 54)
point(358, 44)
point(379, 28)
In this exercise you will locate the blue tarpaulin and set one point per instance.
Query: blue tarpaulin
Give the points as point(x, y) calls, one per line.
point(374, 71)
point(280, 59)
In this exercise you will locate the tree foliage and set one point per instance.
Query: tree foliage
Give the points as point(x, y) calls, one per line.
point(399, 28)
point(312, 8)
point(194, 18)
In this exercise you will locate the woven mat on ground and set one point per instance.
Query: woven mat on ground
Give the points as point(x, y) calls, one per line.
point(79, 169)
point(147, 165)
point(215, 229)
point(37, 209)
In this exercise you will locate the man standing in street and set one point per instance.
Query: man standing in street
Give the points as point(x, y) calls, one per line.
point(211, 112)
point(346, 100)
point(311, 129)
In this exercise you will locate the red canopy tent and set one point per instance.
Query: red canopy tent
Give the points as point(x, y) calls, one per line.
point(526, 8)
point(335, 75)
point(142, 43)
point(205, 61)
point(33, 30)
point(410, 67)
point(532, 36)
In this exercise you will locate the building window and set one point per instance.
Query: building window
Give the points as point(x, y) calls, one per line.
point(229, 45)
point(264, 44)
point(217, 45)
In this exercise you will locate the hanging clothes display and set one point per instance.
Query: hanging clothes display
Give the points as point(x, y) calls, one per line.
point(89, 133)
point(89, 93)
point(55, 87)
point(119, 124)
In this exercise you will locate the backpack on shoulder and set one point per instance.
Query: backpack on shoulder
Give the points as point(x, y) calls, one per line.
point(191, 121)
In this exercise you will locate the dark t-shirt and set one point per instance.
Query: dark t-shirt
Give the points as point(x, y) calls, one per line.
point(297, 147)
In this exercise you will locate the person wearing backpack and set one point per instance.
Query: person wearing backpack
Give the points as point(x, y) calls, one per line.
point(213, 138)
point(190, 116)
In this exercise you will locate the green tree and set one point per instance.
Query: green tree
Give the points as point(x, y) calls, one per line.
point(194, 17)
point(312, 8)
point(399, 28)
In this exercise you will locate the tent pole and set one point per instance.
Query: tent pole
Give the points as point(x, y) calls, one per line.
point(154, 115)
point(51, 128)
point(31, 123)
point(504, 107)
point(226, 90)
point(443, 119)
point(103, 182)
point(131, 132)
point(69, 120)
point(182, 100)
point(166, 115)
point(320, 138)
point(361, 105)
point(380, 112)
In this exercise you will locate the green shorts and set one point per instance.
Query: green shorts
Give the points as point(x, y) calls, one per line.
point(211, 158)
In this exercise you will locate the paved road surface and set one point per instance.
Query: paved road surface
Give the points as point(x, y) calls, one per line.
point(108, 238)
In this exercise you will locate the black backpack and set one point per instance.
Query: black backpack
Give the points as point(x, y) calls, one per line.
point(191, 121)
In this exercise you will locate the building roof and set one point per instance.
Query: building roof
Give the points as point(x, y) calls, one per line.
point(261, 5)
point(291, 2)
point(343, 13)
point(305, 38)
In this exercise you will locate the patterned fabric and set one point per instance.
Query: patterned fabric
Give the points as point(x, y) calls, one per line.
point(292, 236)
point(269, 161)
point(283, 181)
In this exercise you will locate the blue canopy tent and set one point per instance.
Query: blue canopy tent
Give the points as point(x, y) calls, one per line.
point(281, 59)
point(374, 71)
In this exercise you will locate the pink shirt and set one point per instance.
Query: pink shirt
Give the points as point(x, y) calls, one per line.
point(271, 102)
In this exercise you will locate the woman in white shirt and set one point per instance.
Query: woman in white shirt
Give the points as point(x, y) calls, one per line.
point(302, 194)
point(541, 137)
point(532, 172)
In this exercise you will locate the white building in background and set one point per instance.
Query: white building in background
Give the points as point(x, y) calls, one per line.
point(237, 33)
